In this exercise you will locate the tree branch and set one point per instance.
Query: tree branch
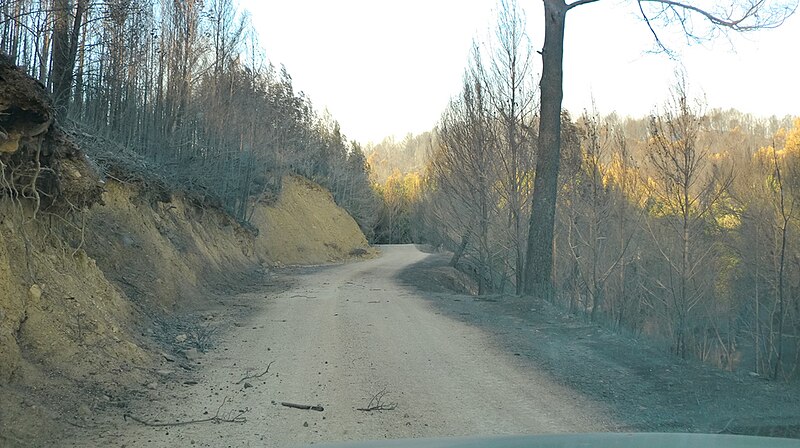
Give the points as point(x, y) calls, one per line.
point(305, 407)
point(217, 418)
point(735, 24)
point(250, 377)
point(741, 16)
point(579, 3)
point(376, 403)
point(653, 31)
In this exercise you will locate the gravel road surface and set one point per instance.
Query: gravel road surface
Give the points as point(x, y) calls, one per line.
point(338, 337)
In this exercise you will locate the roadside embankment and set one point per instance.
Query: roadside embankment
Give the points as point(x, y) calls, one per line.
point(86, 294)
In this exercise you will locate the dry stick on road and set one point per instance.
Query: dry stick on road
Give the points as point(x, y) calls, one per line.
point(376, 403)
point(722, 431)
point(239, 418)
point(306, 407)
point(251, 377)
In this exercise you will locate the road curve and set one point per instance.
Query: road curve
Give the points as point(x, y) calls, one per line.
point(342, 334)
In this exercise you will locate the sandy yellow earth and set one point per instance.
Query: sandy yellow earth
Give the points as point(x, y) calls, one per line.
point(85, 297)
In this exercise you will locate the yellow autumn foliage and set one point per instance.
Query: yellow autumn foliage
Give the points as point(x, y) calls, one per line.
point(787, 140)
point(401, 187)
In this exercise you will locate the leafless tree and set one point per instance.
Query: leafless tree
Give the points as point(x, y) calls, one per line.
point(464, 169)
point(685, 190)
point(596, 245)
point(738, 16)
point(510, 89)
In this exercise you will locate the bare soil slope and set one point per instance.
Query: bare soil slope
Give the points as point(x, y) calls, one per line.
point(306, 226)
point(166, 251)
point(92, 299)
point(64, 327)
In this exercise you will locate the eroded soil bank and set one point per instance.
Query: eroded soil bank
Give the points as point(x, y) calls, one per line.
point(96, 302)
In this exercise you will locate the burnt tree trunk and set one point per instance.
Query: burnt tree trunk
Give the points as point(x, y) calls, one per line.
point(539, 262)
point(65, 50)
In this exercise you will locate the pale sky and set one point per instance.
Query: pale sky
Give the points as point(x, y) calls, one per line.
point(389, 67)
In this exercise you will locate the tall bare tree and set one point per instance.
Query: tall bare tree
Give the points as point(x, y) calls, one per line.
point(464, 170)
point(597, 246)
point(738, 16)
point(511, 89)
point(686, 189)
point(68, 20)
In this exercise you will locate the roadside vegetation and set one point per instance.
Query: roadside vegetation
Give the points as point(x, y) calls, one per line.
point(185, 86)
point(680, 227)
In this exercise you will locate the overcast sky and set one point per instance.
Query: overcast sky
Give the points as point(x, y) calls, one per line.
point(389, 67)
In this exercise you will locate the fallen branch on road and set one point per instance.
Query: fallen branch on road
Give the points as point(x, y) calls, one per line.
point(306, 407)
point(227, 418)
point(250, 377)
point(722, 431)
point(376, 403)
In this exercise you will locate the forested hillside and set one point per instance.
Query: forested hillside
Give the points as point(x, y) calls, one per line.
point(681, 226)
point(186, 85)
point(105, 267)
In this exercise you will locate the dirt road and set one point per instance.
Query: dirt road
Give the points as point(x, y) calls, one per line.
point(341, 335)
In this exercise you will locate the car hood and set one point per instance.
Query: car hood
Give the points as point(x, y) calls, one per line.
point(600, 440)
